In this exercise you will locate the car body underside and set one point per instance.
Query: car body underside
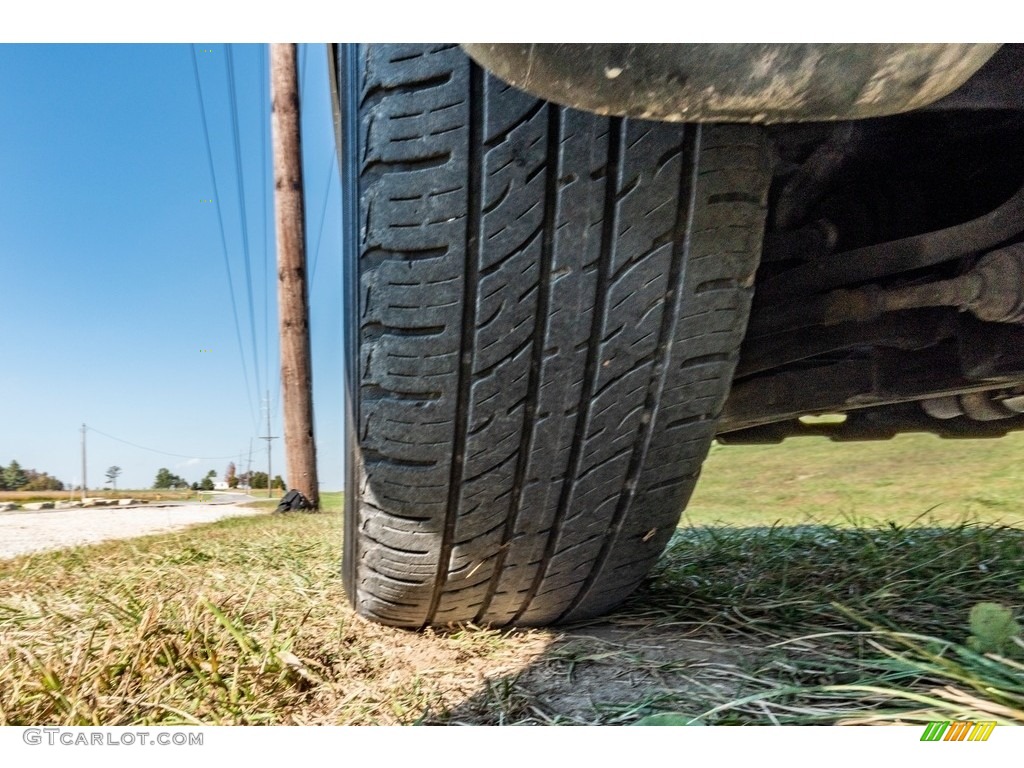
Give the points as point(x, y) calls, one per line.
point(570, 268)
point(891, 285)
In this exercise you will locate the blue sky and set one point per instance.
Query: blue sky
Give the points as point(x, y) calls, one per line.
point(112, 273)
point(112, 276)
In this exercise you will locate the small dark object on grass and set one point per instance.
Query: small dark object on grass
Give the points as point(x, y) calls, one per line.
point(291, 501)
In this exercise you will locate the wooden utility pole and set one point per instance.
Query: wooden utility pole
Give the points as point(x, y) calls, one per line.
point(292, 290)
point(268, 437)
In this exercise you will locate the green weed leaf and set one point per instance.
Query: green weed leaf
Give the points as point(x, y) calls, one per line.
point(992, 629)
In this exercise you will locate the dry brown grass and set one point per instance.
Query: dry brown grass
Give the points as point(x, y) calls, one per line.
point(242, 621)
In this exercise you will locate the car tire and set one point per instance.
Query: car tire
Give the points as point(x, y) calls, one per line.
point(544, 308)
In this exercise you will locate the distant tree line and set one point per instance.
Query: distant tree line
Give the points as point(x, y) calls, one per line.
point(259, 480)
point(165, 479)
point(14, 478)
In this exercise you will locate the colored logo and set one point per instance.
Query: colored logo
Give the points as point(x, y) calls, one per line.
point(958, 730)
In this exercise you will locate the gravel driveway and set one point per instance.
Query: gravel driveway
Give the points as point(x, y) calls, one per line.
point(22, 532)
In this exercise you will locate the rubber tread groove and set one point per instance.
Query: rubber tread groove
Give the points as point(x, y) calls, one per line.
point(612, 178)
point(473, 187)
point(531, 402)
point(669, 317)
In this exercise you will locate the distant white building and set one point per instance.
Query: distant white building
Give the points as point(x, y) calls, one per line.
point(221, 485)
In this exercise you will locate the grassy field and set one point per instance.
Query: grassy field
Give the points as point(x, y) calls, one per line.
point(150, 495)
point(911, 478)
point(772, 617)
point(27, 497)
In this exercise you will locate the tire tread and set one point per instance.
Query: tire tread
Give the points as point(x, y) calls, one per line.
point(551, 305)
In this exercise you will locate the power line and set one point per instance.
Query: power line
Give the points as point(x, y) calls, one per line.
point(264, 157)
point(240, 179)
point(323, 215)
point(268, 437)
point(331, 163)
point(152, 450)
point(223, 239)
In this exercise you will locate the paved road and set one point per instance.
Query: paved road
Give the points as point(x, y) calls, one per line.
point(23, 532)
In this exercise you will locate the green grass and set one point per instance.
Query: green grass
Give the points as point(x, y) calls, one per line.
point(911, 478)
point(271, 504)
point(849, 623)
point(775, 617)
